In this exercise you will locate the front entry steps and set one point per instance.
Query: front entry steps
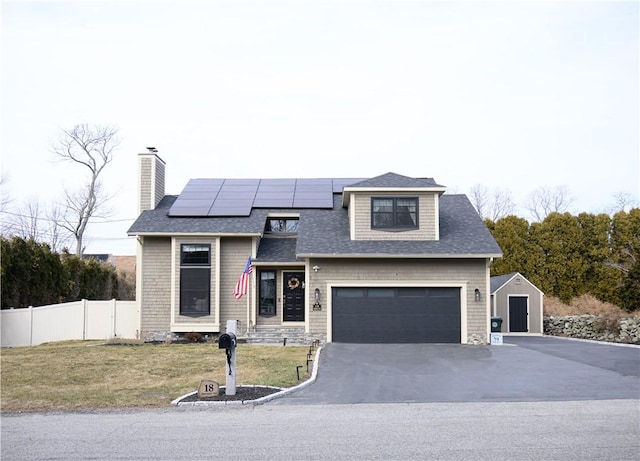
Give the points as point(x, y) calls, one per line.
point(279, 335)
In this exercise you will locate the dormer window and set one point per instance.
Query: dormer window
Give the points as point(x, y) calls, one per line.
point(394, 213)
point(281, 226)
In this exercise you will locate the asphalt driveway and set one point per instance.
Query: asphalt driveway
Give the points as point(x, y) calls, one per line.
point(523, 369)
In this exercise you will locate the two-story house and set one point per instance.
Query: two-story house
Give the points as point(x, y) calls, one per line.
point(386, 259)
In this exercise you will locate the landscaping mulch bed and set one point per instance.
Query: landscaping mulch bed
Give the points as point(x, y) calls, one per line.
point(242, 393)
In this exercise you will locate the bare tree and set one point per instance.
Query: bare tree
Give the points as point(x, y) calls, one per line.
point(493, 204)
point(546, 200)
point(5, 202)
point(622, 201)
point(502, 205)
point(91, 147)
point(5, 199)
point(479, 196)
point(27, 221)
point(56, 238)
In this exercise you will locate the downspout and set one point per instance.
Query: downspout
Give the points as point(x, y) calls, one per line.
point(489, 302)
point(542, 313)
point(139, 283)
point(251, 314)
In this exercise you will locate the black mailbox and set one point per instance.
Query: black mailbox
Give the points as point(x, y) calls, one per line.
point(227, 341)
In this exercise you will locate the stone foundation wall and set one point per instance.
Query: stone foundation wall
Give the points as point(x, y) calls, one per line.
point(599, 328)
point(477, 339)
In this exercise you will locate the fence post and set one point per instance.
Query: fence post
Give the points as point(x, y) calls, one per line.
point(114, 310)
point(30, 325)
point(85, 326)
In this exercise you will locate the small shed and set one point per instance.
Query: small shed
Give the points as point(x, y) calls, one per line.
point(518, 302)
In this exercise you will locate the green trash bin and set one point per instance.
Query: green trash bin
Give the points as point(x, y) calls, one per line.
point(496, 324)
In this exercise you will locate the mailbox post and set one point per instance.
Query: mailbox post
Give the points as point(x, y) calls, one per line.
point(228, 342)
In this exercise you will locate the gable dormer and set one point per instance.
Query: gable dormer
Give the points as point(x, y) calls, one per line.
point(393, 207)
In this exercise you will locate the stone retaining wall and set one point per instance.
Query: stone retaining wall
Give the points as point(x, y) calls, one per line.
point(599, 328)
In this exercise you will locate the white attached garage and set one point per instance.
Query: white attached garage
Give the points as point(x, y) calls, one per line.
point(382, 314)
point(518, 302)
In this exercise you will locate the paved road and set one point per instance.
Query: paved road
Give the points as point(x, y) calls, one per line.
point(524, 369)
point(577, 430)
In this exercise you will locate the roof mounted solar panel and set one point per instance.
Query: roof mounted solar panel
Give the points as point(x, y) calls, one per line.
point(319, 202)
point(230, 208)
point(303, 181)
point(278, 182)
point(267, 198)
point(340, 183)
point(273, 203)
point(196, 197)
point(313, 193)
point(236, 197)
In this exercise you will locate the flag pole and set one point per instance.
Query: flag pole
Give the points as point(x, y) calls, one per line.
point(249, 304)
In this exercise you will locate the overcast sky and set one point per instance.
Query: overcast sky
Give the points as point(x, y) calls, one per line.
point(511, 95)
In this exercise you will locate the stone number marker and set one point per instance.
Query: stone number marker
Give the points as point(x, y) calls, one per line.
point(208, 388)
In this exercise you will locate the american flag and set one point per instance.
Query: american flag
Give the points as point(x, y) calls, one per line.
point(241, 287)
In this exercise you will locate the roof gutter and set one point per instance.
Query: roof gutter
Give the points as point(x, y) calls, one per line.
point(193, 234)
point(400, 256)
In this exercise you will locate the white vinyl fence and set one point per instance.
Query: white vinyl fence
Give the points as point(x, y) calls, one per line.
point(84, 319)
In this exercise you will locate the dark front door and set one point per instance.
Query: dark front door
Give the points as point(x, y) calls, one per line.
point(518, 314)
point(293, 289)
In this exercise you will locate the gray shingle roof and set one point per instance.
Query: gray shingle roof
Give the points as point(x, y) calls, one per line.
point(325, 232)
point(277, 250)
point(396, 180)
point(497, 281)
point(158, 221)
point(462, 232)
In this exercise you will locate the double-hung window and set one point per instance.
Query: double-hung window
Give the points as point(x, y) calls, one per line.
point(195, 279)
point(394, 213)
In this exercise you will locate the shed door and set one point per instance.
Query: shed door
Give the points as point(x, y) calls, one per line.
point(396, 315)
point(518, 313)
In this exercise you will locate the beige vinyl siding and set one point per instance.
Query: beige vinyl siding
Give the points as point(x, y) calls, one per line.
point(469, 273)
point(158, 193)
point(155, 302)
point(160, 291)
point(144, 198)
point(233, 257)
point(151, 179)
point(360, 214)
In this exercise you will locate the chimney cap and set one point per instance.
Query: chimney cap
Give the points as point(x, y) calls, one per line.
point(152, 149)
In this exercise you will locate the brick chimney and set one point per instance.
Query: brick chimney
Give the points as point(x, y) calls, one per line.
point(150, 180)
